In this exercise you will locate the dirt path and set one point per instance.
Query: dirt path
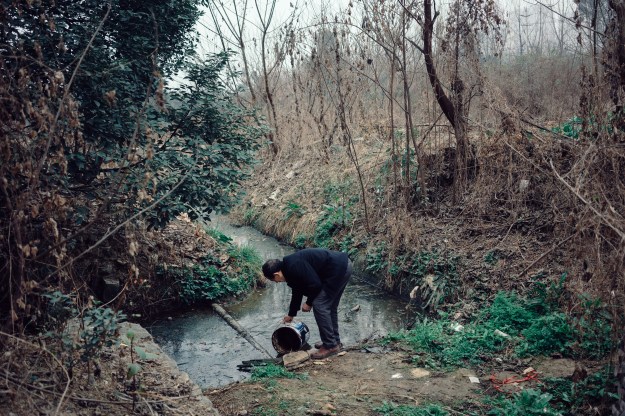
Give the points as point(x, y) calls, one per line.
point(359, 382)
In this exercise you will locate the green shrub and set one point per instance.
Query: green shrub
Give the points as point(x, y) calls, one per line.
point(595, 391)
point(212, 277)
point(593, 329)
point(528, 333)
point(425, 337)
point(332, 220)
point(439, 346)
point(570, 128)
point(300, 241)
point(245, 262)
point(491, 258)
point(99, 328)
point(435, 274)
point(377, 259)
point(293, 209)
point(543, 298)
point(474, 344)
point(509, 313)
point(547, 335)
point(347, 245)
point(443, 268)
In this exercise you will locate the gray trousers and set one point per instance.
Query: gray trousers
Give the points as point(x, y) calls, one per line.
point(325, 308)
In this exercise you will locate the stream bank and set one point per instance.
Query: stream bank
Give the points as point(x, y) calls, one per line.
point(209, 350)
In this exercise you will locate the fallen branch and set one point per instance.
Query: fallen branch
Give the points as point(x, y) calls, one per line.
point(237, 327)
point(545, 254)
point(607, 222)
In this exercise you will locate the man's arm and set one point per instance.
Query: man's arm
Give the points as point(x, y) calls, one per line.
point(296, 302)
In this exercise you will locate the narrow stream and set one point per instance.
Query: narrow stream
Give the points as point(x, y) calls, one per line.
point(209, 350)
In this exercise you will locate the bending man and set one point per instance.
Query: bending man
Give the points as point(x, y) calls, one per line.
point(320, 275)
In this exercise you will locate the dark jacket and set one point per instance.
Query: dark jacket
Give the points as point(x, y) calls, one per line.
point(309, 271)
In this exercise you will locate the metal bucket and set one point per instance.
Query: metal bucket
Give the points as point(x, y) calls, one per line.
point(290, 337)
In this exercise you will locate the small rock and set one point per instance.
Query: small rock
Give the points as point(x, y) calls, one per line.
point(329, 406)
point(474, 380)
point(290, 175)
point(419, 372)
point(274, 194)
point(356, 308)
point(294, 358)
point(528, 370)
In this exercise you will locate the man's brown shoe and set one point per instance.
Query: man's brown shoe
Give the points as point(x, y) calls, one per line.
point(324, 352)
point(319, 344)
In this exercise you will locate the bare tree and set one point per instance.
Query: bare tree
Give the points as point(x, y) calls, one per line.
point(234, 17)
point(464, 22)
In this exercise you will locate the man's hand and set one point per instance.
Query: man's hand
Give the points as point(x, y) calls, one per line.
point(287, 319)
point(306, 307)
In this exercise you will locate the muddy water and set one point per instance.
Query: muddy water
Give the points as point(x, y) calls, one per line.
point(209, 350)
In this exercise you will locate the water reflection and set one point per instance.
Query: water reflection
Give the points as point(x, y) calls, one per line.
point(209, 350)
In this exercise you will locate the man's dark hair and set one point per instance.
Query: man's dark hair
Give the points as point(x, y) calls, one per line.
point(270, 267)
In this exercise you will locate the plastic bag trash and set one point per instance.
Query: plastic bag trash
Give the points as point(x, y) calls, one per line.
point(501, 334)
point(398, 375)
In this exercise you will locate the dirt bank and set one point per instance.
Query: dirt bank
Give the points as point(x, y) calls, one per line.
point(363, 379)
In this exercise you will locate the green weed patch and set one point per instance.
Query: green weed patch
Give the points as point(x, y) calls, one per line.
point(270, 371)
point(391, 409)
point(435, 273)
point(213, 277)
point(524, 403)
point(511, 326)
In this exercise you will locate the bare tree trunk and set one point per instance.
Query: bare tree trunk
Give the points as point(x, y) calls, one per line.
point(392, 127)
point(246, 70)
point(453, 110)
point(407, 115)
point(348, 139)
point(265, 22)
point(236, 27)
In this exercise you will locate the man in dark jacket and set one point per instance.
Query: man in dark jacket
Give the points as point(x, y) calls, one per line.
point(320, 275)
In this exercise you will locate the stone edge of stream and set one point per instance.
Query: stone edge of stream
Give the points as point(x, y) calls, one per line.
point(167, 366)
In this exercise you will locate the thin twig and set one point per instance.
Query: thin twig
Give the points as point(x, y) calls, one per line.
point(607, 222)
point(545, 254)
point(58, 407)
